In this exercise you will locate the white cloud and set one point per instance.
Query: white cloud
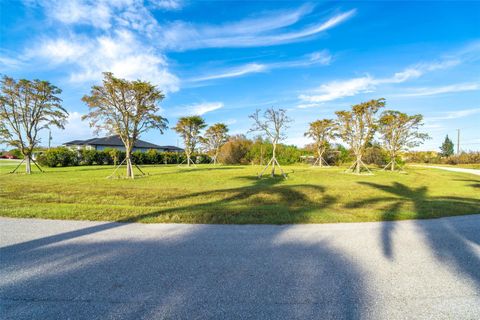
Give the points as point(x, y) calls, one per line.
point(320, 58)
point(167, 4)
point(339, 89)
point(121, 54)
point(75, 128)
point(309, 105)
point(430, 91)
point(350, 87)
point(101, 14)
point(198, 109)
point(234, 72)
point(262, 31)
point(455, 114)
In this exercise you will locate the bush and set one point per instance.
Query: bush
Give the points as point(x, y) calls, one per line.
point(56, 157)
point(235, 151)
point(375, 155)
point(472, 157)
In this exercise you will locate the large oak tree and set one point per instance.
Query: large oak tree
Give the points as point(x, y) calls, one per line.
point(27, 107)
point(125, 108)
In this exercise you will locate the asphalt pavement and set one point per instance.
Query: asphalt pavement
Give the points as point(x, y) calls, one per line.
point(421, 269)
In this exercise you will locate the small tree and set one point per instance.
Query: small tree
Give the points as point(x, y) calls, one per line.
point(273, 126)
point(399, 132)
point(27, 107)
point(125, 108)
point(321, 131)
point(446, 149)
point(357, 127)
point(214, 138)
point(189, 129)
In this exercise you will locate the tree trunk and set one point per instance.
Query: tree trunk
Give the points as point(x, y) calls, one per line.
point(274, 158)
point(128, 160)
point(358, 164)
point(129, 168)
point(392, 168)
point(28, 164)
point(188, 159)
point(320, 158)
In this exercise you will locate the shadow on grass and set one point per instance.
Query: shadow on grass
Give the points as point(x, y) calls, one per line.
point(265, 201)
point(475, 184)
point(448, 244)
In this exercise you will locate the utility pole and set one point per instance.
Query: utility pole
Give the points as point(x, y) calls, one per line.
point(49, 138)
point(458, 141)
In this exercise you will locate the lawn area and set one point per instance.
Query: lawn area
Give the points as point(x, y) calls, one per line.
point(233, 194)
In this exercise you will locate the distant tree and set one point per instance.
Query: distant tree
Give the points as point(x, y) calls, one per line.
point(446, 149)
point(125, 108)
point(322, 132)
point(273, 125)
point(399, 132)
point(357, 127)
point(27, 107)
point(214, 138)
point(189, 129)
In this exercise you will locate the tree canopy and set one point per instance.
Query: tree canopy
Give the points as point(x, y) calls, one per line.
point(125, 108)
point(357, 127)
point(189, 129)
point(214, 138)
point(272, 125)
point(400, 132)
point(322, 132)
point(446, 149)
point(27, 107)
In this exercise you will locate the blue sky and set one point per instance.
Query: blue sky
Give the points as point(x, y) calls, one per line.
point(224, 59)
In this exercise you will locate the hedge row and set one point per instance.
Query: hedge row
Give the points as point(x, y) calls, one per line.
point(64, 157)
point(471, 157)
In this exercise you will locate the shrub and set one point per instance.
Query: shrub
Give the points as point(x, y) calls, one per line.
point(60, 156)
point(235, 150)
point(375, 154)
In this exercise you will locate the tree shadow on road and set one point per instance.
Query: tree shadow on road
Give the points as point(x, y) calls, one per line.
point(202, 271)
point(447, 243)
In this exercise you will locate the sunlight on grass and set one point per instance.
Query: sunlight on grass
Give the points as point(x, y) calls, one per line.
point(233, 194)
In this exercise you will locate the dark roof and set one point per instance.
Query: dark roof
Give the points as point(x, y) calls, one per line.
point(116, 141)
point(172, 148)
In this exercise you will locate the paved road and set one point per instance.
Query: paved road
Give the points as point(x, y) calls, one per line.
point(463, 170)
point(426, 269)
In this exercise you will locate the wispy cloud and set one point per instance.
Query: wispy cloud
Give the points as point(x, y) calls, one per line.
point(197, 109)
point(319, 58)
point(233, 72)
point(346, 88)
point(430, 91)
point(455, 114)
point(263, 31)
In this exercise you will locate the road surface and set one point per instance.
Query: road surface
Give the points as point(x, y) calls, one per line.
point(463, 170)
point(427, 269)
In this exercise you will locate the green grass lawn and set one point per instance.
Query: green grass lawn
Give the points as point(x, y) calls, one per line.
point(233, 194)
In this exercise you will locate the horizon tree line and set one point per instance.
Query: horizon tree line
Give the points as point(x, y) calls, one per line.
point(130, 108)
